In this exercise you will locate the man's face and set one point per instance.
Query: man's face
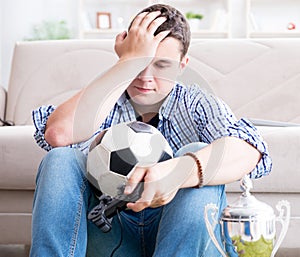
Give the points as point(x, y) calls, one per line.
point(156, 81)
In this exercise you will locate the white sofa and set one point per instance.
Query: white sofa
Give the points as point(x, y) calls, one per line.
point(259, 79)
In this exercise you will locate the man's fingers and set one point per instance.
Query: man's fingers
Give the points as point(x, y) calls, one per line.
point(148, 193)
point(150, 198)
point(121, 36)
point(155, 24)
point(145, 200)
point(138, 19)
point(162, 35)
point(148, 19)
point(134, 178)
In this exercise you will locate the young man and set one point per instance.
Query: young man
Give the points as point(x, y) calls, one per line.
point(168, 218)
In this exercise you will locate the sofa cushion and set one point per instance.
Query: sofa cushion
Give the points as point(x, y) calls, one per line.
point(49, 72)
point(257, 78)
point(20, 157)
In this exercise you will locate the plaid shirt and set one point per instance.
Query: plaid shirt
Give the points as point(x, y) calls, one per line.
point(189, 114)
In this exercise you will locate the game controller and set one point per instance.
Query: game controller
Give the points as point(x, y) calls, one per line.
point(102, 214)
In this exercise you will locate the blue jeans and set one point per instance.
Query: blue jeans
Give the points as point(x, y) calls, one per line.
point(63, 198)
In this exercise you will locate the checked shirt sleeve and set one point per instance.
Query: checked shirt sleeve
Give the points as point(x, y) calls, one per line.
point(217, 120)
point(40, 117)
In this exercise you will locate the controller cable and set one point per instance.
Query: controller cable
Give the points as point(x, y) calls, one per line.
point(121, 237)
point(102, 214)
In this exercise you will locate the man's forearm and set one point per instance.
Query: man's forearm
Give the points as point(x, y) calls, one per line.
point(225, 160)
point(77, 119)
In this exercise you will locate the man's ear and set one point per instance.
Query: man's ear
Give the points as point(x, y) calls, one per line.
point(183, 63)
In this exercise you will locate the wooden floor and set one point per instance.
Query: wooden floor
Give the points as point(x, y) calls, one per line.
point(21, 251)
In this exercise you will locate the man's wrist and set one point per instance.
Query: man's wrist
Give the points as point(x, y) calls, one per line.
point(199, 168)
point(192, 177)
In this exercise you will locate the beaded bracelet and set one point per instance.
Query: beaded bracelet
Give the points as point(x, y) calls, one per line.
point(200, 173)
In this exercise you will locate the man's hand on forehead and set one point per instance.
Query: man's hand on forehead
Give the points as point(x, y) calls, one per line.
point(140, 41)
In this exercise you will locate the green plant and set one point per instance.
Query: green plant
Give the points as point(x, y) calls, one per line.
point(50, 30)
point(191, 15)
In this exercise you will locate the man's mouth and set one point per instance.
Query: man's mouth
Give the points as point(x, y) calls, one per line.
point(144, 90)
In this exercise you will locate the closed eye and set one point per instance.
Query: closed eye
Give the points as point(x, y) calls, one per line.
point(162, 64)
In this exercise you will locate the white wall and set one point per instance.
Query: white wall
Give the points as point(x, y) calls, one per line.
point(17, 17)
point(238, 19)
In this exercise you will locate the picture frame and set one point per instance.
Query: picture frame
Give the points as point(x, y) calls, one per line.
point(103, 20)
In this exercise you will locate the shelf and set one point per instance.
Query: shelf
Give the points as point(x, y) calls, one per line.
point(213, 25)
point(215, 12)
point(271, 18)
point(209, 34)
point(222, 18)
point(121, 12)
point(111, 33)
point(265, 34)
point(100, 33)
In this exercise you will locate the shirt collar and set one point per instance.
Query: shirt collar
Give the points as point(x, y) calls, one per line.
point(123, 100)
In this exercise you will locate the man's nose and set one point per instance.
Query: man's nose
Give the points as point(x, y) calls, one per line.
point(146, 74)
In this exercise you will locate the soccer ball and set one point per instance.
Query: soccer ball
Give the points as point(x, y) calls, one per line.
point(117, 150)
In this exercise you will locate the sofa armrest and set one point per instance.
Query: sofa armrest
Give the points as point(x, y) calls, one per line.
point(20, 157)
point(2, 102)
point(284, 148)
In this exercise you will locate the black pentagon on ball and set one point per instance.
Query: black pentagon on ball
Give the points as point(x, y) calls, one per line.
point(122, 161)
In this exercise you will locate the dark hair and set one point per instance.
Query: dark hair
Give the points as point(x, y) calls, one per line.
point(176, 23)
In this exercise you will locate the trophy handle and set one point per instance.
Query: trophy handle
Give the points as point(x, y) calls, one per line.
point(210, 226)
point(284, 221)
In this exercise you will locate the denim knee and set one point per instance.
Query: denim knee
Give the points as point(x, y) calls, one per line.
point(61, 169)
point(62, 159)
point(182, 228)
